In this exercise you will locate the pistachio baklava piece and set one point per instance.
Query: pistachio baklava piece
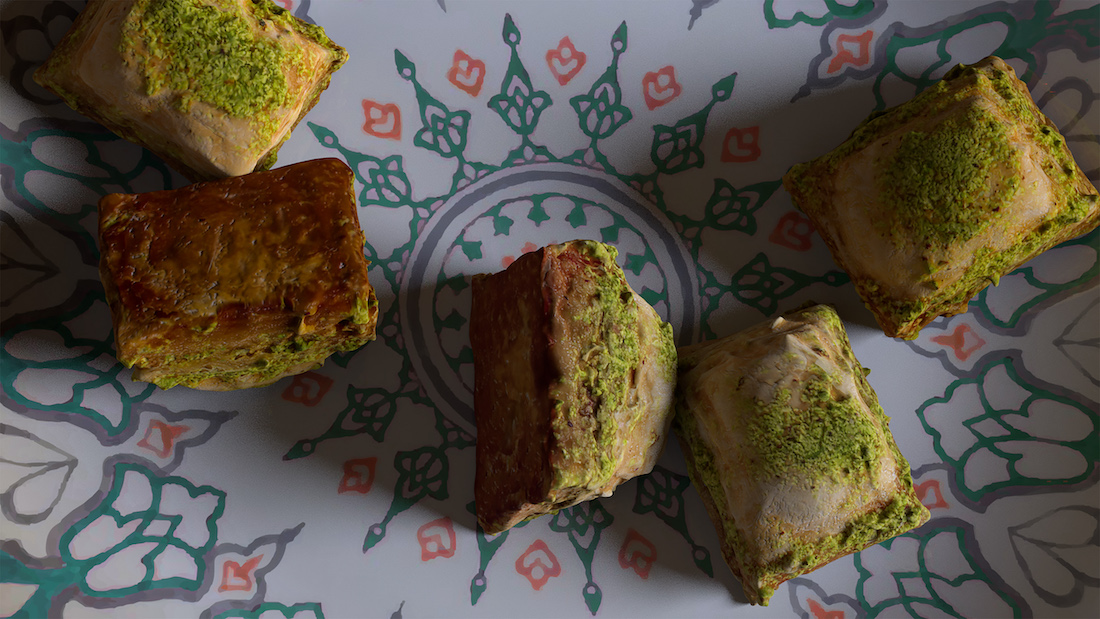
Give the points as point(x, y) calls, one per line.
point(573, 382)
point(789, 449)
point(929, 202)
point(238, 282)
point(214, 87)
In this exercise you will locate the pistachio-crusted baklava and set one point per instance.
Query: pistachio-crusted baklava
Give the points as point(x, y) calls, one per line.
point(212, 86)
point(573, 381)
point(929, 202)
point(789, 448)
point(238, 282)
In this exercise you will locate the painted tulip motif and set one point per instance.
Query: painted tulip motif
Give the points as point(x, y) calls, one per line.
point(538, 564)
point(741, 145)
point(358, 476)
point(660, 87)
point(794, 231)
point(963, 342)
point(565, 61)
point(466, 73)
point(308, 388)
point(637, 553)
point(160, 437)
point(383, 120)
point(437, 539)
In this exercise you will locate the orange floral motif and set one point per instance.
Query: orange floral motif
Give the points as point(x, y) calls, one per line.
point(437, 539)
point(161, 437)
point(637, 553)
point(467, 73)
point(793, 230)
point(930, 494)
point(741, 145)
point(527, 248)
point(358, 476)
point(962, 341)
point(538, 564)
point(239, 576)
point(565, 61)
point(383, 120)
point(660, 87)
point(844, 54)
point(308, 388)
point(819, 612)
point(286, 4)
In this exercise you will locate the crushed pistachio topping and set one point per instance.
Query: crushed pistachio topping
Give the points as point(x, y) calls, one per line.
point(208, 53)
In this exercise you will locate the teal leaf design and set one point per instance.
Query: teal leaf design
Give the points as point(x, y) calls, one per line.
point(421, 473)
point(583, 523)
point(518, 104)
point(760, 285)
point(601, 111)
point(487, 548)
point(150, 522)
point(678, 147)
point(80, 357)
point(1024, 438)
point(828, 10)
point(897, 576)
point(731, 209)
point(368, 411)
point(661, 493)
point(307, 610)
point(1042, 290)
point(443, 131)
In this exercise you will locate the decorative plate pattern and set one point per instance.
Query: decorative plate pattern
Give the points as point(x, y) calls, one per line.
point(479, 131)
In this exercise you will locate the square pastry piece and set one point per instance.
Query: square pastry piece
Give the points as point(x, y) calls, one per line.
point(238, 282)
point(212, 86)
point(789, 449)
point(929, 202)
point(573, 381)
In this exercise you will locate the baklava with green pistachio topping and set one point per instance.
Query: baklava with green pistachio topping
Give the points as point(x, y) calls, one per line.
point(238, 282)
point(789, 448)
point(573, 382)
point(929, 202)
point(212, 86)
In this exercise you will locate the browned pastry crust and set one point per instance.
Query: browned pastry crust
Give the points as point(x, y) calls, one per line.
point(238, 282)
point(573, 380)
point(180, 98)
point(789, 449)
point(928, 203)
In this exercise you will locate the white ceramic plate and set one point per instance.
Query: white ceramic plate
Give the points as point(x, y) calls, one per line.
point(478, 131)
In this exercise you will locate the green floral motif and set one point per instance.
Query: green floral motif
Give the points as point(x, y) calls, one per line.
point(487, 547)
point(661, 493)
point(156, 529)
point(678, 148)
point(731, 209)
point(107, 178)
point(828, 9)
point(444, 131)
point(601, 111)
point(920, 590)
point(584, 522)
point(1021, 36)
point(1043, 289)
point(996, 418)
point(760, 285)
point(272, 609)
point(369, 411)
point(80, 355)
point(518, 104)
point(421, 473)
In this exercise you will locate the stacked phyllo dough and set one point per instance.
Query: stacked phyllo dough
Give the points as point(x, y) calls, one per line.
point(214, 87)
point(789, 449)
point(573, 382)
point(928, 203)
point(239, 282)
